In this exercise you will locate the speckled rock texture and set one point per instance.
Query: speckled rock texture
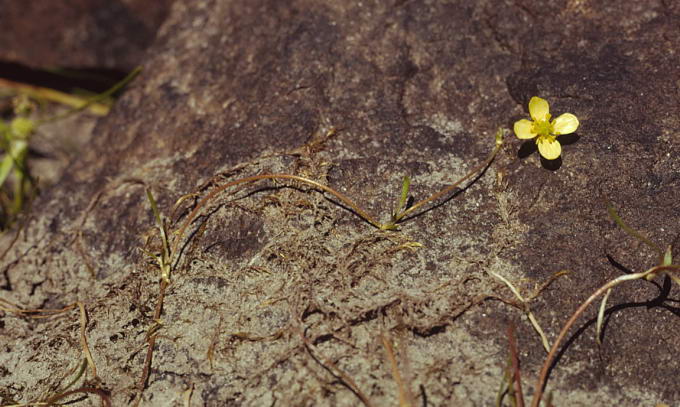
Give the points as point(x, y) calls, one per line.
point(281, 296)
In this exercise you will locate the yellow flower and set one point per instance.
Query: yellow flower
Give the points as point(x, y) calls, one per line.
point(543, 129)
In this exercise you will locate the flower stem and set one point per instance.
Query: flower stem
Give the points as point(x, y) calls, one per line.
point(451, 187)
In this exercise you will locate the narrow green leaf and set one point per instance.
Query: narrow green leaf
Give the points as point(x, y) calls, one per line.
point(632, 232)
point(164, 261)
point(668, 257)
point(18, 151)
point(77, 376)
point(6, 168)
point(154, 206)
point(405, 187)
point(506, 384)
point(404, 191)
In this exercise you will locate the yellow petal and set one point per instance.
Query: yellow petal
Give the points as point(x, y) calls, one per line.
point(523, 129)
point(549, 148)
point(565, 124)
point(539, 109)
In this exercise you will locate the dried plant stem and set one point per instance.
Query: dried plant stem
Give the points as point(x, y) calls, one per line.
point(524, 306)
point(151, 340)
point(335, 370)
point(543, 377)
point(343, 198)
point(187, 395)
point(451, 187)
point(515, 379)
point(106, 400)
point(83, 339)
point(46, 313)
point(405, 396)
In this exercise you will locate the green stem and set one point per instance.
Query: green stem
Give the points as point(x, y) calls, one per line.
point(37, 92)
point(18, 192)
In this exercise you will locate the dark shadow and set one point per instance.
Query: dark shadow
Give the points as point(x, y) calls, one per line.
point(659, 301)
point(552, 165)
point(426, 332)
point(95, 80)
point(409, 203)
point(33, 153)
point(423, 394)
point(568, 139)
point(527, 148)
point(8, 284)
point(618, 265)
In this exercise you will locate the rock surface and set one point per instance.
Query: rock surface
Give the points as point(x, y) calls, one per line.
point(111, 34)
point(280, 294)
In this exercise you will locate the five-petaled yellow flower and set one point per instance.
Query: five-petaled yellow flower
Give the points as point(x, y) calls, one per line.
point(543, 129)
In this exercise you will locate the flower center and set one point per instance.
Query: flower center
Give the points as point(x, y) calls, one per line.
point(547, 138)
point(542, 127)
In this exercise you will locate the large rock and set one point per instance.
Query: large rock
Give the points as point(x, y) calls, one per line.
point(237, 88)
point(79, 33)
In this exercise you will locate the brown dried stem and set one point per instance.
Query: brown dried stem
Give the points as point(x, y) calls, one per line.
point(515, 379)
point(447, 190)
point(405, 396)
point(543, 377)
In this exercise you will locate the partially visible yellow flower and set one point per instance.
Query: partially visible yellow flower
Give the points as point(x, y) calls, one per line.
point(543, 129)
